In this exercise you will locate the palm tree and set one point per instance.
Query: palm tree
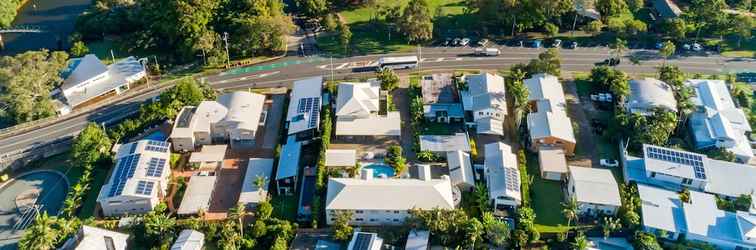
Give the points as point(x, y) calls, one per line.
point(41, 235)
point(237, 213)
point(581, 242)
point(570, 210)
point(609, 225)
point(519, 93)
point(426, 156)
point(619, 47)
point(481, 197)
point(158, 225)
point(261, 182)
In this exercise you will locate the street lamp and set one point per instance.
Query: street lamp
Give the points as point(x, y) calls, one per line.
point(228, 57)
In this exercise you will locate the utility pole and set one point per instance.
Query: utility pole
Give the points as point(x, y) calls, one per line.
point(228, 57)
point(112, 56)
point(419, 58)
point(332, 69)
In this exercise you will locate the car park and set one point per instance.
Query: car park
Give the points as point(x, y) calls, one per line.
point(572, 45)
point(483, 42)
point(486, 52)
point(534, 43)
point(456, 41)
point(557, 43)
point(464, 42)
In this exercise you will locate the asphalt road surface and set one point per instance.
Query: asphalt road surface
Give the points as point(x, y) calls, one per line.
point(284, 71)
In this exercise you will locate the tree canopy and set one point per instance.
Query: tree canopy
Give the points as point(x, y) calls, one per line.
point(8, 12)
point(91, 145)
point(26, 81)
point(416, 21)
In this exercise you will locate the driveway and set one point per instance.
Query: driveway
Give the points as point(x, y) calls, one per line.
point(586, 153)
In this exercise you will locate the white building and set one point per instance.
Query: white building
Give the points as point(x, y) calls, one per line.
point(93, 238)
point(698, 220)
point(674, 169)
point(445, 143)
point(548, 123)
point(234, 118)
point(365, 241)
point(717, 122)
point(198, 194)
point(486, 100)
point(376, 202)
point(502, 176)
point(553, 164)
point(594, 189)
point(87, 78)
point(357, 112)
point(303, 115)
point(139, 180)
point(341, 158)
point(189, 240)
point(251, 194)
point(649, 93)
point(417, 240)
point(460, 169)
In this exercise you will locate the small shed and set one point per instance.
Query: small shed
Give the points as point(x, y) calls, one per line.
point(553, 163)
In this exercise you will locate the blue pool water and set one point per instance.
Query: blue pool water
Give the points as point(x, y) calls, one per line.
point(379, 168)
point(156, 136)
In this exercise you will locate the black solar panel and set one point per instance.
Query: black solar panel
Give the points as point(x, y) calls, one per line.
point(125, 170)
point(512, 179)
point(157, 146)
point(683, 158)
point(144, 187)
point(155, 167)
point(362, 242)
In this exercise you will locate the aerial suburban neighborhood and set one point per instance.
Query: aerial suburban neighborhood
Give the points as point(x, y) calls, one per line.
point(377, 124)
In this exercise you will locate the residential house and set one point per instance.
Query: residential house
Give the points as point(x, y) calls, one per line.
point(365, 241)
point(417, 240)
point(390, 199)
point(93, 238)
point(252, 194)
point(460, 169)
point(440, 144)
point(288, 166)
point(594, 189)
point(303, 115)
point(666, 9)
point(441, 99)
point(199, 193)
point(87, 78)
point(209, 157)
point(548, 123)
point(140, 179)
point(189, 240)
point(486, 101)
point(676, 169)
point(234, 119)
point(502, 176)
point(697, 219)
point(717, 122)
point(553, 164)
point(649, 93)
point(359, 113)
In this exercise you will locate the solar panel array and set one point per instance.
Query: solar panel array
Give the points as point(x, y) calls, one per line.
point(513, 180)
point(133, 148)
point(157, 146)
point(155, 167)
point(144, 187)
point(125, 170)
point(684, 158)
point(310, 105)
point(362, 241)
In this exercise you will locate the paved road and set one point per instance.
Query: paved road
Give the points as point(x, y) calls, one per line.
point(282, 72)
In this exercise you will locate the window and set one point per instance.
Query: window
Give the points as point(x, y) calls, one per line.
point(687, 181)
point(359, 219)
point(653, 174)
point(396, 212)
point(371, 220)
point(358, 211)
point(480, 113)
point(396, 220)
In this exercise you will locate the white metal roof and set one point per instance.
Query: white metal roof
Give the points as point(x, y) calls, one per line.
point(674, 162)
point(550, 117)
point(93, 238)
point(244, 109)
point(189, 240)
point(722, 120)
point(660, 208)
point(301, 119)
point(595, 185)
point(490, 126)
point(341, 157)
point(445, 143)
point(648, 93)
point(357, 99)
point(209, 153)
point(118, 74)
point(388, 194)
point(552, 160)
point(460, 168)
point(502, 173)
point(198, 194)
point(251, 193)
point(373, 125)
point(487, 91)
point(81, 70)
point(138, 164)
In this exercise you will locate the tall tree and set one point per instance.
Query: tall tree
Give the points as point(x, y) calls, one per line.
point(705, 14)
point(609, 225)
point(91, 145)
point(43, 234)
point(570, 210)
point(496, 231)
point(580, 243)
point(549, 62)
point(742, 26)
point(79, 49)
point(345, 35)
point(667, 50)
point(611, 8)
point(519, 92)
point(159, 225)
point(8, 12)
point(313, 8)
point(26, 81)
point(389, 79)
point(676, 28)
point(416, 21)
point(619, 47)
point(342, 231)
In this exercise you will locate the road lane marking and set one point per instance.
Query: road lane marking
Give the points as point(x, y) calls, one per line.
point(342, 66)
point(439, 59)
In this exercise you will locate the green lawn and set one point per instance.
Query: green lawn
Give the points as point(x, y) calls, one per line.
point(285, 207)
point(371, 36)
point(546, 200)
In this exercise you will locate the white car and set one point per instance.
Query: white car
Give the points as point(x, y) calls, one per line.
point(464, 42)
point(609, 163)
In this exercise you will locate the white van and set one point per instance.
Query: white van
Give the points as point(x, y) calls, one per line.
point(487, 52)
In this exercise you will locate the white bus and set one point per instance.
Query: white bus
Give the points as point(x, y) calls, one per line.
point(403, 62)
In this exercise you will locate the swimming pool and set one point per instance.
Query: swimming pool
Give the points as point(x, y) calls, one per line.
point(156, 136)
point(379, 168)
point(52, 186)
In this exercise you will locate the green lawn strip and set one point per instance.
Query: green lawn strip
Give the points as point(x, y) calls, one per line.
point(546, 201)
point(90, 199)
point(285, 207)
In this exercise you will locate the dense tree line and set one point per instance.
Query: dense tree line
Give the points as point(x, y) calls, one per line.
point(190, 28)
point(8, 12)
point(26, 81)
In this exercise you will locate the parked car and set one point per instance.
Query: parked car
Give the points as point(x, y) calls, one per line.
point(557, 43)
point(609, 62)
point(456, 41)
point(483, 42)
point(464, 42)
point(696, 47)
point(572, 45)
point(486, 52)
point(446, 42)
point(609, 163)
point(534, 43)
point(659, 45)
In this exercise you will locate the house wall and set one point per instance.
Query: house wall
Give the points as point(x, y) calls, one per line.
point(182, 143)
point(83, 85)
point(121, 205)
point(569, 147)
point(202, 138)
point(670, 235)
point(554, 176)
point(489, 112)
point(592, 209)
point(372, 217)
point(675, 180)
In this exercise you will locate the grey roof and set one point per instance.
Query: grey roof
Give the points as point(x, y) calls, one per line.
point(667, 8)
point(660, 209)
point(460, 168)
point(251, 193)
point(388, 194)
point(116, 75)
point(549, 119)
point(198, 194)
point(372, 125)
point(244, 109)
point(288, 162)
point(717, 121)
point(645, 94)
point(487, 91)
point(82, 69)
point(552, 160)
point(489, 125)
point(502, 173)
point(94, 238)
point(340, 157)
point(189, 240)
point(445, 143)
point(417, 240)
point(595, 185)
point(438, 88)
